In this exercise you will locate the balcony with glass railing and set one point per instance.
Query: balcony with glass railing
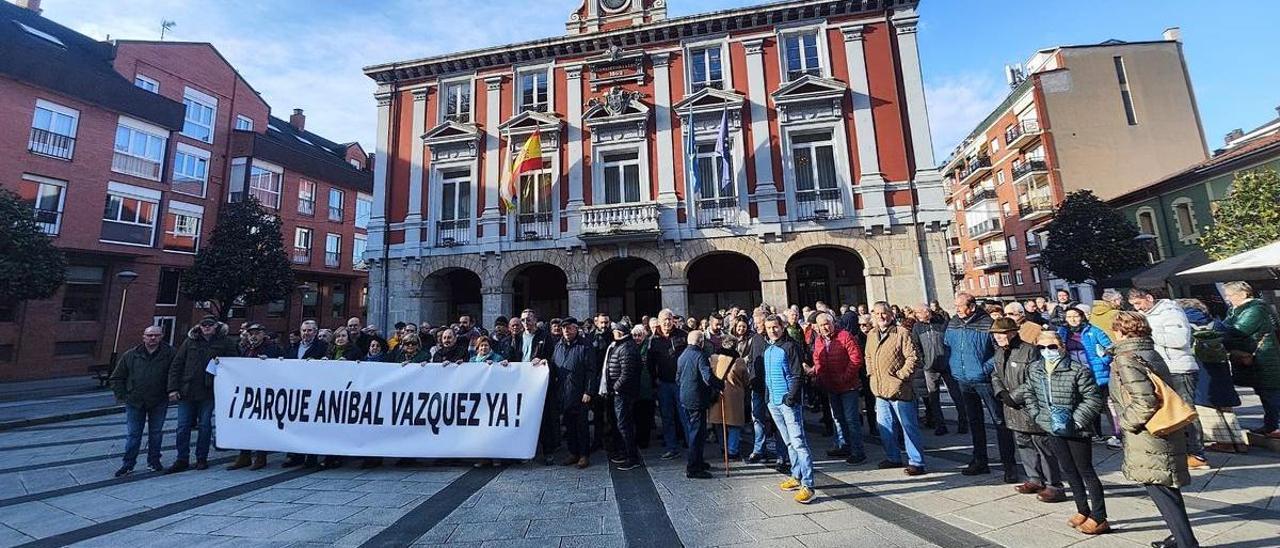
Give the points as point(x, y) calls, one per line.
point(532, 227)
point(453, 233)
point(819, 205)
point(1022, 133)
point(136, 166)
point(985, 229)
point(48, 143)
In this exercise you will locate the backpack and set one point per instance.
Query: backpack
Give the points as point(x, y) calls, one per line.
point(1207, 345)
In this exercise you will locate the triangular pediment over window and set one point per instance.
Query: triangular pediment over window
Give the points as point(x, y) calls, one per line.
point(809, 87)
point(710, 99)
point(528, 120)
point(451, 131)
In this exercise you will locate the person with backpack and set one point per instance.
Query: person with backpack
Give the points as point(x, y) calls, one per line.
point(1216, 396)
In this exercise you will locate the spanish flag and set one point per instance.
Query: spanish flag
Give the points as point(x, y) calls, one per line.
point(528, 160)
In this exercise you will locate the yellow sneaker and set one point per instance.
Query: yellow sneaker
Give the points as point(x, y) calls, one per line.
point(790, 485)
point(805, 495)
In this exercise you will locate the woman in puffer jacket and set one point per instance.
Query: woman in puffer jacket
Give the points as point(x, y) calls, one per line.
point(1158, 463)
point(1088, 344)
point(1062, 397)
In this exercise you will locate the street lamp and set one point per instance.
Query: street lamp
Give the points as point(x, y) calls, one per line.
point(127, 278)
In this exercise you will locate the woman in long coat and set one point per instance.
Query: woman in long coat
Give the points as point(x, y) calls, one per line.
point(733, 371)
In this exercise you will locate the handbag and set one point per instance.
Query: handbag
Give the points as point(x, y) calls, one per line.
point(1172, 412)
point(1061, 423)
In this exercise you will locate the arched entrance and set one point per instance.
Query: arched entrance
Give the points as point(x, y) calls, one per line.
point(629, 287)
point(542, 287)
point(722, 280)
point(450, 293)
point(829, 274)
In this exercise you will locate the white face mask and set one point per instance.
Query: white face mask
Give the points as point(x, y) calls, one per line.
point(1051, 355)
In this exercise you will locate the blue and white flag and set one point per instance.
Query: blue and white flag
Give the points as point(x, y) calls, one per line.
point(691, 156)
point(722, 149)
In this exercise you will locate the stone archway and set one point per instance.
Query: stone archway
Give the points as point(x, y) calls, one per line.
point(544, 287)
point(627, 286)
point(720, 280)
point(449, 293)
point(831, 274)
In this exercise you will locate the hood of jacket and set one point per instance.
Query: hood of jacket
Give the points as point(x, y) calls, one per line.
point(194, 332)
point(1100, 307)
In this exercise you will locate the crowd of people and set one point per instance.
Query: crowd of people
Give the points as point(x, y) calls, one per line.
point(1042, 374)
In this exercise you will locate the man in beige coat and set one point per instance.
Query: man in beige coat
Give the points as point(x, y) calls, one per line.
point(891, 359)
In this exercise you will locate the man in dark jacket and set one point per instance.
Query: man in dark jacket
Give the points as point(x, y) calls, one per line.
point(1013, 360)
point(698, 390)
point(451, 348)
point(1058, 318)
point(192, 387)
point(574, 362)
point(928, 331)
point(664, 351)
point(604, 429)
point(534, 345)
point(308, 347)
point(970, 356)
point(256, 345)
point(761, 421)
point(139, 380)
point(623, 376)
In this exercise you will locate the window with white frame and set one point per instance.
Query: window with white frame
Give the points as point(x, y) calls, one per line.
point(1033, 241)
point(706, 68)
point(535, 191)
point(130, 215)
point(533, 91)
point(306, 197)
point(455, 195)
point(800, 54)
point(201, 110)
point(1185, 219)
point(621, 177)
point(244, 123)
point(1005, 279)
point(1013, 243)
point(1006, 209)
point(364, 210)
point(332, 250)
point(457, 102)
point(709, 167)
point(53, 130)
point(992, 280)
point(1017, 276)
point(336, 195)
point(982, 282)
point(971, 288)
point(994, 146)
point(359, 244)
point(182, 227)
point(149, 84)
point(301, 245)
point(814, 161)
point(1000, 177)
point(139, 149)
point(190, 170)
point(46, 197)
point(264, 184)
point(1035, 274)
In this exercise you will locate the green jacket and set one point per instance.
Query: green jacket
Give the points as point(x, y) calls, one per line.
point(1072, 385)
point(1148, 459)
point(140, 379)
point(1252, 325)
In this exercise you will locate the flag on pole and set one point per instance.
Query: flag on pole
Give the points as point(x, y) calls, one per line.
point(529, 159)
point(722, 150)
point(691, 155)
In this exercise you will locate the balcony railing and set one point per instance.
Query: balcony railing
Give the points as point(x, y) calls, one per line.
point(1035, 208)
point(718, 212)
point(819, 205)
point(980, 195)
point(984, 229)
point(989, 260)
point(533, 227)
point(957, 270)
point(953, 243)
point(307, 207)
point(134, 165)
point(1027, 167)
point(1021, 133)
point(620, 218)
point(49, 221)
point(332, 259)
point(974, 167)
point(335, 214)
point(301, 255)
point(453, 233)
point(48, 143)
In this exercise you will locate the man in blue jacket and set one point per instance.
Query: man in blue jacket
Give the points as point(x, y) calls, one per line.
point(783, 378)
point(971, 356)
point(698, 389)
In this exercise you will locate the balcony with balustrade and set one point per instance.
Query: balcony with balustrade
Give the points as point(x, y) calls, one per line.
point(453, 233)
point(53, 145)
point(1022, 133)
point(1028, 169)
point(136, 166)
point(624, 222)
point(974, 168)
point(819, 205)
point(990, 260)
point(532, 227)
point(986, 229)
point(718, 212)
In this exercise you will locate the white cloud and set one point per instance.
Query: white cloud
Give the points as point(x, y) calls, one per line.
point(957, 103)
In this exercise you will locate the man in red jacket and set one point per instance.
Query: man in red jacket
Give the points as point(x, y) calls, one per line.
point(836, 362)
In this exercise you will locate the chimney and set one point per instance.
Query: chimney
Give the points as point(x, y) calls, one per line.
point(1233, 135)
point(1173, 34)
point(33, 5)
point(298, 119)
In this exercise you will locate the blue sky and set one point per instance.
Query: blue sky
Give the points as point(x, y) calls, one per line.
point(308, 53)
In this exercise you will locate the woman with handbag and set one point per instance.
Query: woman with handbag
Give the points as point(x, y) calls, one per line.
point(1064, 400)
point(1252, 330)
point(1155, 446)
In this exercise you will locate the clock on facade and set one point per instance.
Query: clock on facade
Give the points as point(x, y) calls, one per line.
point(614, 5)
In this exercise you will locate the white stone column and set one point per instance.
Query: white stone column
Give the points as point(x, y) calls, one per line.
point(675, 294)
point(573, 77)
point(490, 218)
point(662, 123)
point(413, 220)
point(495, 301)
point(765, 195)
point(871, 184)
point(378, 217)
point(927, 180)
point(582, 300)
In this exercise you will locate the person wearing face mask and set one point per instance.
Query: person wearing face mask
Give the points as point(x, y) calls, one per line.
point(1088, 344)
point(1063, 398)
point(1014, 360)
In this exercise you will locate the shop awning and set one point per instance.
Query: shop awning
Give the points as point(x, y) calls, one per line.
point(1159, 274)
point(1257, 264)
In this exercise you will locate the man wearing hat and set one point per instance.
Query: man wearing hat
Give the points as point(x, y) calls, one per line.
point(255, 345)
point(574, 363)
point(1013, 359)
point(192, 387)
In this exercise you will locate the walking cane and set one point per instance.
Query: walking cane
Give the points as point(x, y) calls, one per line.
point(724, 429)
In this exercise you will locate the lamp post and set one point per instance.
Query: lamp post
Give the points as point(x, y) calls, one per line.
point(127, 278)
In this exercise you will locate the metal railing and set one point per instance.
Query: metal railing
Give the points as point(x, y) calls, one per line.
point(620, 217)
point(984, 228)
point(332, 259)
point(1034, 207)
point(453, 233)
point(990, 259)
point(48, 143)
point(134, 165)
point(1025, 128)
point(957, 270)
point(533, 226)
point(980, 195)
point(306, 207)
point(301, 255)
point(1027, 167)
point(49, 221)
point(819, 205)
point(718, 212)
point(973, 166)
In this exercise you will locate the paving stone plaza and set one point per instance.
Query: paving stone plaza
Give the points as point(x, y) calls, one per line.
point(56, 489)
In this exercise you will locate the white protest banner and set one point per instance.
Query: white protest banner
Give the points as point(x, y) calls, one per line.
point(323, 407)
